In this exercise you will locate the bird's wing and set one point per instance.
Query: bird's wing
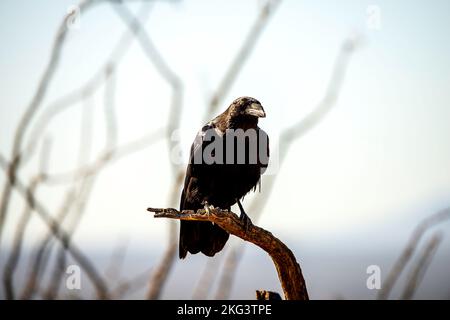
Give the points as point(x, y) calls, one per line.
point(195, 171)
point(264, 142)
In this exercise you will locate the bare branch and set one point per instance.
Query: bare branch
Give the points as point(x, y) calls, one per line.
point(423, 262)
point(39, 260)
point(204, 284)
point(62, 236)
point(328, 101)
point(31, 109)
point(409, 250)
point(79, 203)
point(241, 57)
point(161, 272)
point(129, 286)
point(16, 250)
point(164, 70)
point(92, 85)
point(117, 260)
point(228, 271)
point(288, 269)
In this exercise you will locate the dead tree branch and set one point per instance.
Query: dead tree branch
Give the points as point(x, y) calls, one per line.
point(289, 271)
point(409, 250)
point(422, 264)
point(19, 234)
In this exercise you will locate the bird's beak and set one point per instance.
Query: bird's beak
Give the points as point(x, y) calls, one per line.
point(256, 110)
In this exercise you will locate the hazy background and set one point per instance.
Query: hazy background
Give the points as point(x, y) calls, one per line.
point(350, 191)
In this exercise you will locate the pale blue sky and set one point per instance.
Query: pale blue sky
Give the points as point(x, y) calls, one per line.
point(379, 161)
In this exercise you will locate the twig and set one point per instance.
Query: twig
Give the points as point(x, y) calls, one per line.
point(419, 270)
point(409, 250)
point(288, 269)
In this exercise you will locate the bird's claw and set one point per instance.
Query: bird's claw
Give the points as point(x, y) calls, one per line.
point(246, 221)
point(208, 207)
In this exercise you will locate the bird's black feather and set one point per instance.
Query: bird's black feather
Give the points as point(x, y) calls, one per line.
point(221, 184)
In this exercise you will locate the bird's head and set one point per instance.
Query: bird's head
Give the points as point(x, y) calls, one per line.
point(247, 107)
point(243, 113)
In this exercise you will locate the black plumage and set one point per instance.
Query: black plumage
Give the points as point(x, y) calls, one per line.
point(220, 175)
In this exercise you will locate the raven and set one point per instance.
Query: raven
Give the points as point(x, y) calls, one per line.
point(226, 161)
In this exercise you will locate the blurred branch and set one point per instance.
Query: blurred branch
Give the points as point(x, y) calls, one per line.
point(289, 271)
point(228, 272)
point(83, 172)
point(129, 286)
point(164, 70)
point(92, 85)
point(79, 203)
point(288, 136)
point(40, 258)
point(408, 252)
point(61, 235)
point(19, 234)
point(117, 260)
point(241, 57)
point(161, 272)
point(31, 110)
point(204, 283)
point(419, 270)
point(328, 101)
point(106, 157)
point(87, 182)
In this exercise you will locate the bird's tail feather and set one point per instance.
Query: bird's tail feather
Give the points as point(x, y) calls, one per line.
point(201, 236)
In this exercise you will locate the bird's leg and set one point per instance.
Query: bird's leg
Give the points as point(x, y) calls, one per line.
point(244, 217)
point(208, 208)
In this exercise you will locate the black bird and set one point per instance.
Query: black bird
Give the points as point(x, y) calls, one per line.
point(226, 161)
